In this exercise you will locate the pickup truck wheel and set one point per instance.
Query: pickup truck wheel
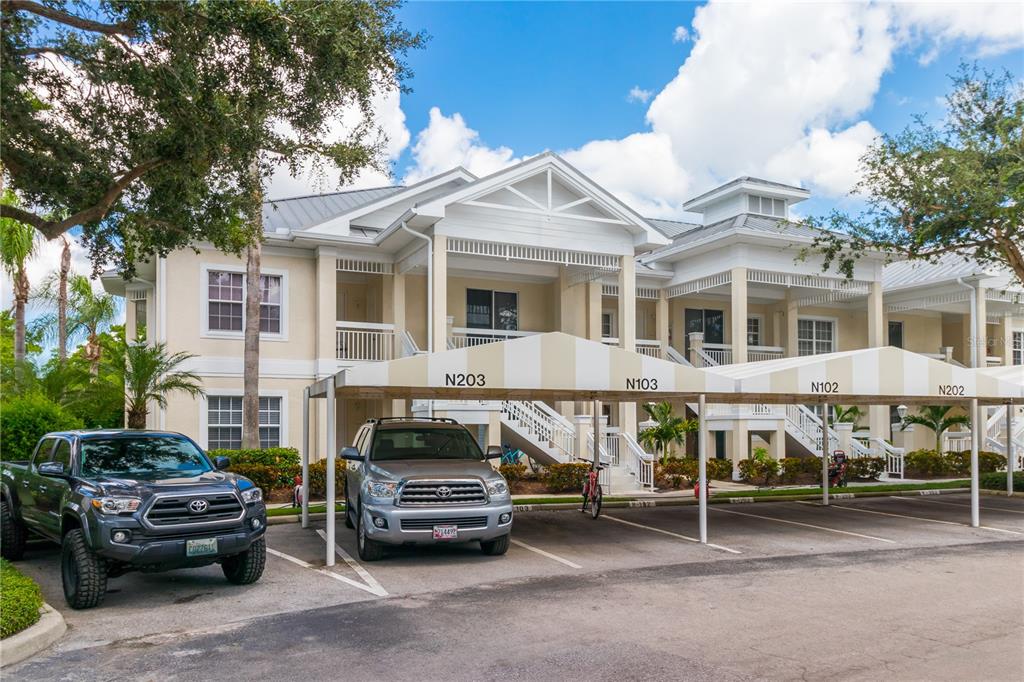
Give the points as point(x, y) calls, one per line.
point(497, 546)
point(83, 573)
point(247, 567)
point(12, 534)
point(369, 550)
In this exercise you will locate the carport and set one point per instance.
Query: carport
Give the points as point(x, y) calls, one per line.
point(1013, 374)
point(557, 366)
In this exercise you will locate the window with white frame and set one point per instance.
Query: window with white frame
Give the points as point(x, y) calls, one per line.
point(226, 302)
point(1018, 348)
point(753, 331)
point(224, 422)
point(606, 325)
point(815, 336)
point(766, 206)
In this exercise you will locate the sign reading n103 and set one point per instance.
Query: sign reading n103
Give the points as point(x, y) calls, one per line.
point(826, 387)
point(641, 384)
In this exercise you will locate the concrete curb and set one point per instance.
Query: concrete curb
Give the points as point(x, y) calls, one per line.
point(32, 640)
point(685, 502)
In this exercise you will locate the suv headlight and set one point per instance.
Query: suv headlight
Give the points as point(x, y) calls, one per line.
point(251, 495)
point(116, 505)
point(381, 488)
point(497, 488)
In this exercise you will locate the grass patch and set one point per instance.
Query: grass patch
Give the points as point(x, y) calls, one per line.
point(20, 600)
point(295, 511)
point(577, 499)
point(881, 488)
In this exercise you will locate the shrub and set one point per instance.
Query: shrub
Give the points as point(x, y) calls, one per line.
point(264, 456)
point(513, 473)
point(267, 477)
point(925, 463)
point(720, 469)
point(568, 477)
point(997, 481)
point(318, 478)
point(760, 467)
point(868, 468)
point(960, 462)
point(20, 600)
point(24, 420)
point(675, 473)
point(797, 469)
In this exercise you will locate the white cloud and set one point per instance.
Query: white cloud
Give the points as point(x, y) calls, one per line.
point(988, 27)
point(638, 94)
point(680, 35)
point(829, 159)
point(448, 142)
point(45, 261)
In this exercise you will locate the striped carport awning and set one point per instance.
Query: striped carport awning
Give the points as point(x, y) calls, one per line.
point(873, 376)
point(549, 366)
point(1013, 374)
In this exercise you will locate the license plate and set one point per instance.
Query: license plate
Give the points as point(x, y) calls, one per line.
point(446, 532)
point(203, 547)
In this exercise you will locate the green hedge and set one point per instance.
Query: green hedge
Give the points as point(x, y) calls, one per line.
point(267, 477)
point(720, 469)
point(268, 468)
point(24, 420)
point(868, 468)
point(568, 477)
point(20, 600)
point(264, 456)
point(928, 463)
point(318, 479)
point(997, 481)
point(513, 473)
point(676, 473)
point(795, 469)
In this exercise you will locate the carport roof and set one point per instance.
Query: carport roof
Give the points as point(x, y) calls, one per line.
point(885, 375)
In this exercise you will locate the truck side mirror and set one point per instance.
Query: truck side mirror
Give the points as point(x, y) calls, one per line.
point(221, 462)
point(54, 469)
point(351, 454)
point(495, 452)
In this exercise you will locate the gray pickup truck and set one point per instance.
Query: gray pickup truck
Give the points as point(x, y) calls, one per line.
point(118, 501)
point(421, 481)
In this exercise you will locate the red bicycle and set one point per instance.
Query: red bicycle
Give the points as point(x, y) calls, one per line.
point(592, 494)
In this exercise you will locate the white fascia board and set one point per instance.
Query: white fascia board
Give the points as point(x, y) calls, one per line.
point(792, 194)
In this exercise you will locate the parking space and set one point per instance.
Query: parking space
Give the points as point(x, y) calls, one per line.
point(546, 543)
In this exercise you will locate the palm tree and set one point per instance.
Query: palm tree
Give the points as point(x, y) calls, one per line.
point(54, 291)
point(17, 245)
point(935, 418)
point(91, 313)
point(150, 374)
point(847, 415)
point(668, 429)
point(251, 362)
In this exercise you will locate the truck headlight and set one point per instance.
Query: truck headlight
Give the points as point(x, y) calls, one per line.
point(381, 488)
point(116, 505)
point(251, 495)
point(497, 488)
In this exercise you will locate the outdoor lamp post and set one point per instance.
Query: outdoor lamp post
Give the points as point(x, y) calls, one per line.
point(901, 410)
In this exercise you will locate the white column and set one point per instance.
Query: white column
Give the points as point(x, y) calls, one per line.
point(740, 445)
point(305, 457)
point(661, 323)
point(878, 415)
point(627, 330)
point(792, 315)
point(332, 418)
point(824, 454)
point(844, 432)
point(702, 468)
point(976, 426)
point(1010, 407)
point(980, 331)
point(593, 331)
point(738, 318)
point(439, 306)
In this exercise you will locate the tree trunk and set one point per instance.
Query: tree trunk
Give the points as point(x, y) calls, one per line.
point(62, 303)
point(251, 372)
point(137, 417)
point(20, 301)
point(92, 353)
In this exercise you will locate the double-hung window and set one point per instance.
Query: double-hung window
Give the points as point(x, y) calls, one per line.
point(1018, 348)
point(753, 331)
point(815, 336)
point(224, 422)
point(226, 302)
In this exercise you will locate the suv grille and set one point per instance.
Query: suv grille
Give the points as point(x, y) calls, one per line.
point(174, 511)
point(426, 493)
point(466, 523)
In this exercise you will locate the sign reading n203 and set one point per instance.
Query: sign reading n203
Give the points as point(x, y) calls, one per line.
point(464, 379)
point(641, 384)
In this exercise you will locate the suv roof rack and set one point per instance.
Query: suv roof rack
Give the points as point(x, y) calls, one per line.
point(381, 420)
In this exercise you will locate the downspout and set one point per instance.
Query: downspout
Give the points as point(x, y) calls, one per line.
point(430, 297)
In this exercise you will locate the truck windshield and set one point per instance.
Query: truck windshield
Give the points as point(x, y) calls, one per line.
point(142, 457)
point(424, 443)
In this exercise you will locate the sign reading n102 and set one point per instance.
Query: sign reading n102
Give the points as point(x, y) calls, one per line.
point(826, 387)
point(641, 384)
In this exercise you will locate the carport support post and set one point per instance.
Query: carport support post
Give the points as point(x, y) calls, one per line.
point(824, 454)
point(332, 418)
point(305, 457)
point(597, 434)
point(976, 426)
point(1009, 448)
point(702, 468)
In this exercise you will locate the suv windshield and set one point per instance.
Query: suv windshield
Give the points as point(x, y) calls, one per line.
point(424, 443)
point(142, 457)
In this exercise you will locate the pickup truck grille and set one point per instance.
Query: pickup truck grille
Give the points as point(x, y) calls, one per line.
point(174, 511)
point(467, 523)
point(424, 493)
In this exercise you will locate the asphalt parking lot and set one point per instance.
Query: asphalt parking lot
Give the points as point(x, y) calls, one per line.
point(159, 609)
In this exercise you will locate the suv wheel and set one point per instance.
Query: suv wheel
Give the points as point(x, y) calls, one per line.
point(369, 550)
point(83, 573)
point(247, 567)
point(497, 546)
point(12, 534)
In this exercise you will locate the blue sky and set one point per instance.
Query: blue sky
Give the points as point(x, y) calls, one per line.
point(794, 92)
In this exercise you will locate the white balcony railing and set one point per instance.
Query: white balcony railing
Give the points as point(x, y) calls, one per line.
point(649, 347)
point(365, 341)
point(464, 337)
point(721, 353)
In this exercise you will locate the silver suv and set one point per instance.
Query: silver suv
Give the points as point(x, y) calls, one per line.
point(424, 481)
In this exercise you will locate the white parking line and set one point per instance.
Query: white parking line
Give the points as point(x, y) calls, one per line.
point(806, 525)
point(322, 571)
point(922, 518)
point(549, 555)
point(669, 533)
point(372, 586)
point(954, 504)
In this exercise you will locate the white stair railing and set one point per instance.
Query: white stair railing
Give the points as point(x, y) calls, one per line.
point(805, 426)
point(409, 345)
point(539, 424)
point(604, 477)
point(638, 462)
point(956, 441)
point(893, 457)
point(675, 356)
